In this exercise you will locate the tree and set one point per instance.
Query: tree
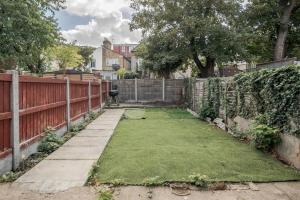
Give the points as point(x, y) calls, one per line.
point(86, 53)
point(121, 73)
point(276, 28)
point(204, 28)
point(27, 27)
point(160, 54)
point(66, 56)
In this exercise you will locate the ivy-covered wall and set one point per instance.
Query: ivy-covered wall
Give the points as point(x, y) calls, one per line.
point(271, 96)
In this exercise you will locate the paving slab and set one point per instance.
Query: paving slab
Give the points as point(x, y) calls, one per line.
point(268, 191)
point(87, 141)
point(77, 153)
point(58, 170)
point(70, 165)
point(95, 133)
point(101, 127)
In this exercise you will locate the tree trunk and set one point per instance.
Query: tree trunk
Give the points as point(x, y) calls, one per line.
point(287, 9)
point(208, 70)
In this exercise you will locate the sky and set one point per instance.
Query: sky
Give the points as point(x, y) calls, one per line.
point(90, 21)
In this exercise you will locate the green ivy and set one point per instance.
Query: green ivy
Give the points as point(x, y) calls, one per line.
point(276, 95)
point(273, 93)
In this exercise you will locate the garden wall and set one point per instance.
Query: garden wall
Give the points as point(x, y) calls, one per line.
point(274, 95)
point(150, 90)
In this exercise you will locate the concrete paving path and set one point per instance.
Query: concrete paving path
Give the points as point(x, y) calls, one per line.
point(70, 165)
point(266, 191)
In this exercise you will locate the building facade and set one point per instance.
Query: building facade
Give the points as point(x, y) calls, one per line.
point(106, 61)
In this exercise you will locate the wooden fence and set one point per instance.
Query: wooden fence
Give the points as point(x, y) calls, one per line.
point(151, 90)
point(43, 103)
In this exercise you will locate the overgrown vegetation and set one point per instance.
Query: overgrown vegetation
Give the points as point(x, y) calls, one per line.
point(273, 94)
point(50, 142)
point(276, 95)
point(265, 137)
point(211, 104)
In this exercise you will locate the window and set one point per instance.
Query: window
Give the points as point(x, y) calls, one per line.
point(112, 61)
point(123, 49)
point(93, 64)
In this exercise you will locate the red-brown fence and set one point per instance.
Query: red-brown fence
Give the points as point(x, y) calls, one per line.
point(79, 92)
point(106, 86)
point(5, 114)
point(42, 104)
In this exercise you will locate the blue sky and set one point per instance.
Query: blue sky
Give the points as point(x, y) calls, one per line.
point(90, 21)
point(68, 21)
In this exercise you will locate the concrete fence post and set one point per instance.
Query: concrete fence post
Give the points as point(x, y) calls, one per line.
point(90, 96)
point(68, 99)
point(101, 99)
point(107, 89)
point(163, 89)
point(15, 135)
point(136, 89)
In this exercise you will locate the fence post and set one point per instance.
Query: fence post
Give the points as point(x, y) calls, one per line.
point(136, 89)
point(68, 111)
point(163, 89)
point(15, 135)
point(101, 99)
point(107, 89)
point(90, 96)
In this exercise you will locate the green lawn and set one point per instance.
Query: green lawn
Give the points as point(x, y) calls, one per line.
point(172, 144)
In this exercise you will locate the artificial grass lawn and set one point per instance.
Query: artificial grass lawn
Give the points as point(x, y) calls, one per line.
point(172, 144)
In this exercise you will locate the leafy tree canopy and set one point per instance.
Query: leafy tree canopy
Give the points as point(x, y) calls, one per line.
point(27, 27)
point(276, 28)
point(201, 28)
point(86, 53)
point(160, 54)
point(65, 55)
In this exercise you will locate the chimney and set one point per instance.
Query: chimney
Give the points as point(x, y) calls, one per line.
point(107, 44)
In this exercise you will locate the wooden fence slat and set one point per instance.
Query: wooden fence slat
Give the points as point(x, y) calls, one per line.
point(42, 103)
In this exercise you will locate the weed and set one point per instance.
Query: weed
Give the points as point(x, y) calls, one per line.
point(9, 177)
point(152, 181)
point(118, 182)
point(199, 180)
point(105, 195)
point(50, 142)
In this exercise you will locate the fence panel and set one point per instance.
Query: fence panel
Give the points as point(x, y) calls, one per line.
point(150, 90)
point(174, 91)
point(96, 96)
point(79, 92)
point(42, 105)
point(126, 89)
point(5, 114)
point(106, 86)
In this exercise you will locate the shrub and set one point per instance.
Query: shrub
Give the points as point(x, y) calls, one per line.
point(207, 111)
point(199, 180)
point(50, 142)
point(265, 137)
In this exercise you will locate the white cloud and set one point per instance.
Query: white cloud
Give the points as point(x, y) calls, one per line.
point(110, 19)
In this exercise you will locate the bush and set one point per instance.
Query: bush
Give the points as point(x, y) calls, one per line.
point(207, 111)
point(199, 180)
point(50, 143)
point(265, 137)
